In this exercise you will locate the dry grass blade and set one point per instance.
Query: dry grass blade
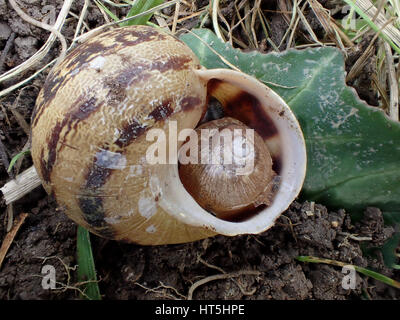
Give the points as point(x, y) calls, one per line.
point(21, 185)
point(96, 31)
point(283, 7)
point(39, 55)
point(176, 15)
point(80, 20)
point(255, 10)
point(214, 16)
point(328, 24)
point(378, 21)
point(9, 238)
point(394, 85)
point(42, 25)
point(358, 66)
point(296, 24)
point(21, 83)
point(308, 27)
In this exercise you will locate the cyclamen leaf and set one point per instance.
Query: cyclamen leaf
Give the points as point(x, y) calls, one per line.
point(353, 149)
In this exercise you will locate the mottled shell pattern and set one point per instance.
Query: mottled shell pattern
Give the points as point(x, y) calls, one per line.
point(89, 136)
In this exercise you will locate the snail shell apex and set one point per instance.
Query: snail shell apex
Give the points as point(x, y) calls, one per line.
point(234, 186)
point(89, 137)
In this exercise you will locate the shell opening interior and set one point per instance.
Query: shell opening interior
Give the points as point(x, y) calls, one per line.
point(244, 98)
point(234, 179)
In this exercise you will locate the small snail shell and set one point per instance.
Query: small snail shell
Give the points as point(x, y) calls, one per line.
point(91, 121)
point(230, 186)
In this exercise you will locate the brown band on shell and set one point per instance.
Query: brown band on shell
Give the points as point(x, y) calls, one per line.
point(142, 35)
point(189, 103)
point(56, 79)
point(84, 108)
point(90, 199)
point(161, 112)
point(129, 133)
point(97, 177)
point(94, 214)
point(89, 51)
point(47, 165)
point(139, 72)
point(53, 82)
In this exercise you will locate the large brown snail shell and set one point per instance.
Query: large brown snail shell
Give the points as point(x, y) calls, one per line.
point(89, 141)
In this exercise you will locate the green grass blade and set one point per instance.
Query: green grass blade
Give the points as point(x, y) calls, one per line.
point(364, 271)
point(140, 6)
point(102, 6)
point(15, 159)
point(383, 33)
point(86, 267)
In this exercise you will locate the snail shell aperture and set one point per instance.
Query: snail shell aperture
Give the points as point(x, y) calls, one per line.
point(89, 140)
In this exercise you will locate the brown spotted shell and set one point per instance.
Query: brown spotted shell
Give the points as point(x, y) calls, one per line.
point(89, 136)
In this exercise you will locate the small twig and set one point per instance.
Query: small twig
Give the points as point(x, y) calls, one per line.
point(10, 236)
point(368, 51)
point(4, 156)
point(10, 217)
point(219, 277)
point(242, 289)
point(214, 51)
point(18, 117)
point(355, 237)
point(199, 259)
point(308, 27)
point(176, 15)
point(161, 293)
point(292, 33)
point(291, 227)
point(7, 48)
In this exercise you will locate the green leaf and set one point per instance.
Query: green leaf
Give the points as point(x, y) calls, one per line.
point(353, 149)
point(389, 251)
point(138, 7)
point(392, 218)
point(15, 159)
point(86, 267)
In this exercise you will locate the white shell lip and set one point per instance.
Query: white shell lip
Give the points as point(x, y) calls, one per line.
point(178, 202)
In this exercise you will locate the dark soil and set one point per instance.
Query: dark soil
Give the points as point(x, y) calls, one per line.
point(167, 272)
point(126, 271)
